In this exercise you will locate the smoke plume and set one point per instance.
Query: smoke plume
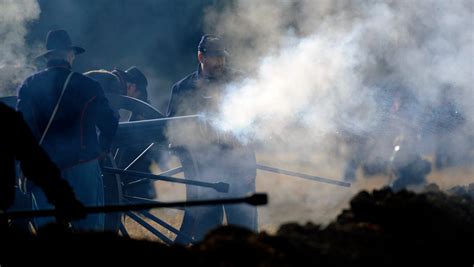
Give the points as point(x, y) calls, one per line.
point(14, 52)
point(321, 73)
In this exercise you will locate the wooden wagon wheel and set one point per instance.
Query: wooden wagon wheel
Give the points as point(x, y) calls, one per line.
point(121, 189)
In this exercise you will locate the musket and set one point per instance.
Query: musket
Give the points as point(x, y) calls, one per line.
point(256, 199)
point(303, 175)
point(146, 131)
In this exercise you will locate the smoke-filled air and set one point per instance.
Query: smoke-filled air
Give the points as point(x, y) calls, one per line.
point(324, 77)
point(14, 52)
point(332, 97)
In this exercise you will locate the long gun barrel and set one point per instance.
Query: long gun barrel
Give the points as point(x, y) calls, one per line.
point(146, 131)
point(255, 200)
point(303, 175)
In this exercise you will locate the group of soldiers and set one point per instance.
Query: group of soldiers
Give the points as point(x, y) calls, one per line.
point(406, 130)
point(64, 126)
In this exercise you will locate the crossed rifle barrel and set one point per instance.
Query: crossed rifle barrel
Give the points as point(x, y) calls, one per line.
point(254, 199)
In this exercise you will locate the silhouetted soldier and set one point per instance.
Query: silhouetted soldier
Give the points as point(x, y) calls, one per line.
point(445, 123)
point(18, 143)
point(216, 158)
point(132, 83)
point(395, 146)
point(136, 83)
point(110, 83)
point(64, 109)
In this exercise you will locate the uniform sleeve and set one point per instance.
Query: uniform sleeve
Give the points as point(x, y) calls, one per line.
point(38, 167)
point(106, 119)
point(173, 103)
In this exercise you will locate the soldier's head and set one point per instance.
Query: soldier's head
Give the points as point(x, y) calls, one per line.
point(212, 56)
point(66, 55)
point(110, 82)
point(136, 83)
point(59, 47)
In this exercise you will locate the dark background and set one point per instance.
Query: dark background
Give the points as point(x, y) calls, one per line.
point(158, 36)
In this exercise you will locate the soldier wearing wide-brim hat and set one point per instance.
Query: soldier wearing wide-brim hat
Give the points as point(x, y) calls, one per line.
point(137, 83)
point(134, 83)
point(59, 41)
point(63, 109)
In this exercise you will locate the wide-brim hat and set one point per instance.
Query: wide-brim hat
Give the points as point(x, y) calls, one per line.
point(134, 75)
point(59, 40)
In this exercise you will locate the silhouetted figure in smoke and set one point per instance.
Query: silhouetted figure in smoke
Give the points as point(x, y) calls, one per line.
point(136, 83)
point(18, 143)
point(132, 83)
point(445, 123)
point(110, 83)
point(407, 116)
point(64, 109)
point(217, 158)
point(396, 142)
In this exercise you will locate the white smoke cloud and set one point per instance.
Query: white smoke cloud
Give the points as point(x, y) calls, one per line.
point(333, 70)
point(14, 52)
point(318, 68)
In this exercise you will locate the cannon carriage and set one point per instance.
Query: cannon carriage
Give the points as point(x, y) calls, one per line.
point(133, 141)
point(124, 172)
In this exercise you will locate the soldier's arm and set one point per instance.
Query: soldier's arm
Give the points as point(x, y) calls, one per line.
point(106, 119)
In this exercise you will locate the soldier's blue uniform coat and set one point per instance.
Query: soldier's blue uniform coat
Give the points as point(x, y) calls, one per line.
point(72, 137)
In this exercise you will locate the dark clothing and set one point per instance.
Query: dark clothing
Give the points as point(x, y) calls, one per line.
point(18, 143)
point(110, 83)
point(197, 94)
point(215, 163)
point(86, 179)
point(210, 156)
point(72, 137)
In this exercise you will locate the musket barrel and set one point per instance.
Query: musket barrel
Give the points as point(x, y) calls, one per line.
point(146, 131)
point(255, 200)
point(303, 175)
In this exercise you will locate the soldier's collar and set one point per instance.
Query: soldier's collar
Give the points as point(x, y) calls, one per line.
point(58, 63)
point(200, 76)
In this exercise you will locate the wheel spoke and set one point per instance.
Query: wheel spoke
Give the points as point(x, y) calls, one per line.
point(123, 230)
point(172, 172)
point(139, 156)
point(116, 153)
point(165, 225)
point(150, 228)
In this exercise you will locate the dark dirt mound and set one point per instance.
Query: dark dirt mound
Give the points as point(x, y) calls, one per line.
point(382, 228)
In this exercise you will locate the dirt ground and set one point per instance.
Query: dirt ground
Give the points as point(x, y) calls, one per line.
point(294, 199)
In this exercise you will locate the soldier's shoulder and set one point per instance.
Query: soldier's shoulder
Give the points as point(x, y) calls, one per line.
point(28, 83)
point(186, 82)
point(34, 76)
